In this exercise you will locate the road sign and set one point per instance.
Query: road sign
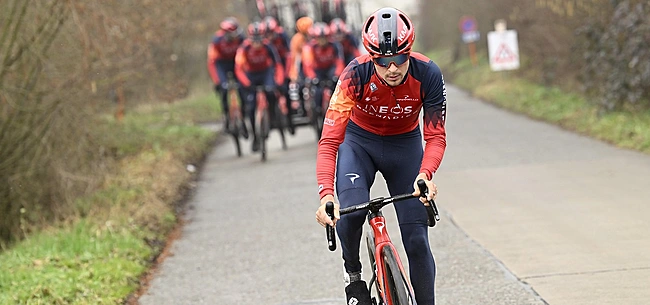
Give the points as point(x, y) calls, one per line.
point(503, 50)
point(467, 24)
point(472, 36)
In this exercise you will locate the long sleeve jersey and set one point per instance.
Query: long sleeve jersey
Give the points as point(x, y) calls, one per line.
point(363, 97)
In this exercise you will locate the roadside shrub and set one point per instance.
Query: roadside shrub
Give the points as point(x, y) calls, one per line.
point(617, 58)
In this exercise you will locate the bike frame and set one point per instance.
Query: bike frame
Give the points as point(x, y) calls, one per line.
point(381, 239)
point(378, 224)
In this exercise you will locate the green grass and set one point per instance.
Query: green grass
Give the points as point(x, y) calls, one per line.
point(84, 264)
point(97, 256)
point(570, 110)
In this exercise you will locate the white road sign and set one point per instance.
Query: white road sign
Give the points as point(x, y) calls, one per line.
point(503, 50)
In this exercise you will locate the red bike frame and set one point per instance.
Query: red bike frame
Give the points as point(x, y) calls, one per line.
point(382, 240)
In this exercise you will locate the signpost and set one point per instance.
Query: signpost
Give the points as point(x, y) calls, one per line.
point(470, 35)
point(503, 48)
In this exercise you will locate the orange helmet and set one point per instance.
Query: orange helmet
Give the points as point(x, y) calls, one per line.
point(303, 24)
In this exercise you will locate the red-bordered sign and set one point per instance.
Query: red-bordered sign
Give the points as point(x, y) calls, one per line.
point(467, 24)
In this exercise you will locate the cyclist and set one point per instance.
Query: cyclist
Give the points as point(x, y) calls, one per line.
point(294, 65)
point(257, 64)
point(298, 40)
point(277, 37)
point(342, 35)
point(373, 125)
point(221, 58)
point(322, 59)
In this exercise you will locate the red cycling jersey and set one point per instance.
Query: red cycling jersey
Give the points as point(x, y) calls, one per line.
point(363, 97)
point(221, 49)
point(317, 57)
point(252, 59)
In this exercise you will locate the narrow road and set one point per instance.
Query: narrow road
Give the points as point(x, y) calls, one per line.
point(533, 215)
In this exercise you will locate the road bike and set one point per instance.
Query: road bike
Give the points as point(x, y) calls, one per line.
point(388, 277)
point(264, 121)
point(236, 126)
point(317, 112)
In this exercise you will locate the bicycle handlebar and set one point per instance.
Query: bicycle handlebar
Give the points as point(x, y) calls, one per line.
point(376, 205)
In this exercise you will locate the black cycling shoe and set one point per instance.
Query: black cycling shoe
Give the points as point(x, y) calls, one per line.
point(356, 293)
point(256, 145)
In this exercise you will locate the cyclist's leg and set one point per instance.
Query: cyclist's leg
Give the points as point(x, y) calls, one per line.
point(222, 71)
point(318, 92)
point(271, 98)
point(355, 173)
point(250, 99)
point(401, 165)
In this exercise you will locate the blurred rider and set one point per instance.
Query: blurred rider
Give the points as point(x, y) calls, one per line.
point(257, 64)
point(297, 42)
point(221, 58)
point(322, 59)
point(342, 35)
point(278, 38)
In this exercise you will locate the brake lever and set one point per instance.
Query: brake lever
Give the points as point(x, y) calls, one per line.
point(432, 210)
point(331, 238)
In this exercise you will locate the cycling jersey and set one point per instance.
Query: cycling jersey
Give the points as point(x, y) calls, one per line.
point(350, 46)
point(318, 58)
point(250, 59)
point(361, 96)
point(222, 51)
point(293, 65)
point(281, 43)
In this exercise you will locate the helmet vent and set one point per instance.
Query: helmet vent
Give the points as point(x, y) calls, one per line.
point(408, 24)
point(386, 16)
point(368, 23)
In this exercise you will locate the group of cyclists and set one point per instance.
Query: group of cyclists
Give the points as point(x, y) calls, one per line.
point(263, 55)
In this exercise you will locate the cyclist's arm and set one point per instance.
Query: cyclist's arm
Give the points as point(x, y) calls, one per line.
point(240, 64)
point(297, 41)
point(343, 100)
point(434, 106)
point(279, 73)
point(213, 54)
point(340, 60)
point(308, 61)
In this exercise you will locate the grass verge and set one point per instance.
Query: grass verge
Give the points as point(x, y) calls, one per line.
point(98, 256)
point(570, 110)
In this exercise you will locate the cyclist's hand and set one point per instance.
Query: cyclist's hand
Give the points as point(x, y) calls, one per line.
point(433, 189)
point(322, 217)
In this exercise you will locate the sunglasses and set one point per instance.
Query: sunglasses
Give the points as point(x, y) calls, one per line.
point(385, 61)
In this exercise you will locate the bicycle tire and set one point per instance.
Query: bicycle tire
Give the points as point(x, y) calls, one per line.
point(264, 133)
point(396, 285)
point(235, 136)
point(370, 243)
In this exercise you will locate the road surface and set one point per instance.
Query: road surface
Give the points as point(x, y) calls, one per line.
point(532, 215)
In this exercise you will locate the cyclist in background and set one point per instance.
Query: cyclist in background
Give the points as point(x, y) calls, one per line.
point(295, 51)
point(221, 59)
point(372, 124)
point(257, 64)
point(322, 59)
point(278, 38)
point(342, 35)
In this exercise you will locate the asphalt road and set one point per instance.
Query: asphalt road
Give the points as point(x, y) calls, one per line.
point(251, 236)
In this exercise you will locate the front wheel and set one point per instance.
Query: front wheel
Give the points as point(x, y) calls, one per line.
point(263, 129)
point(397, 289)
point(370, 243)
